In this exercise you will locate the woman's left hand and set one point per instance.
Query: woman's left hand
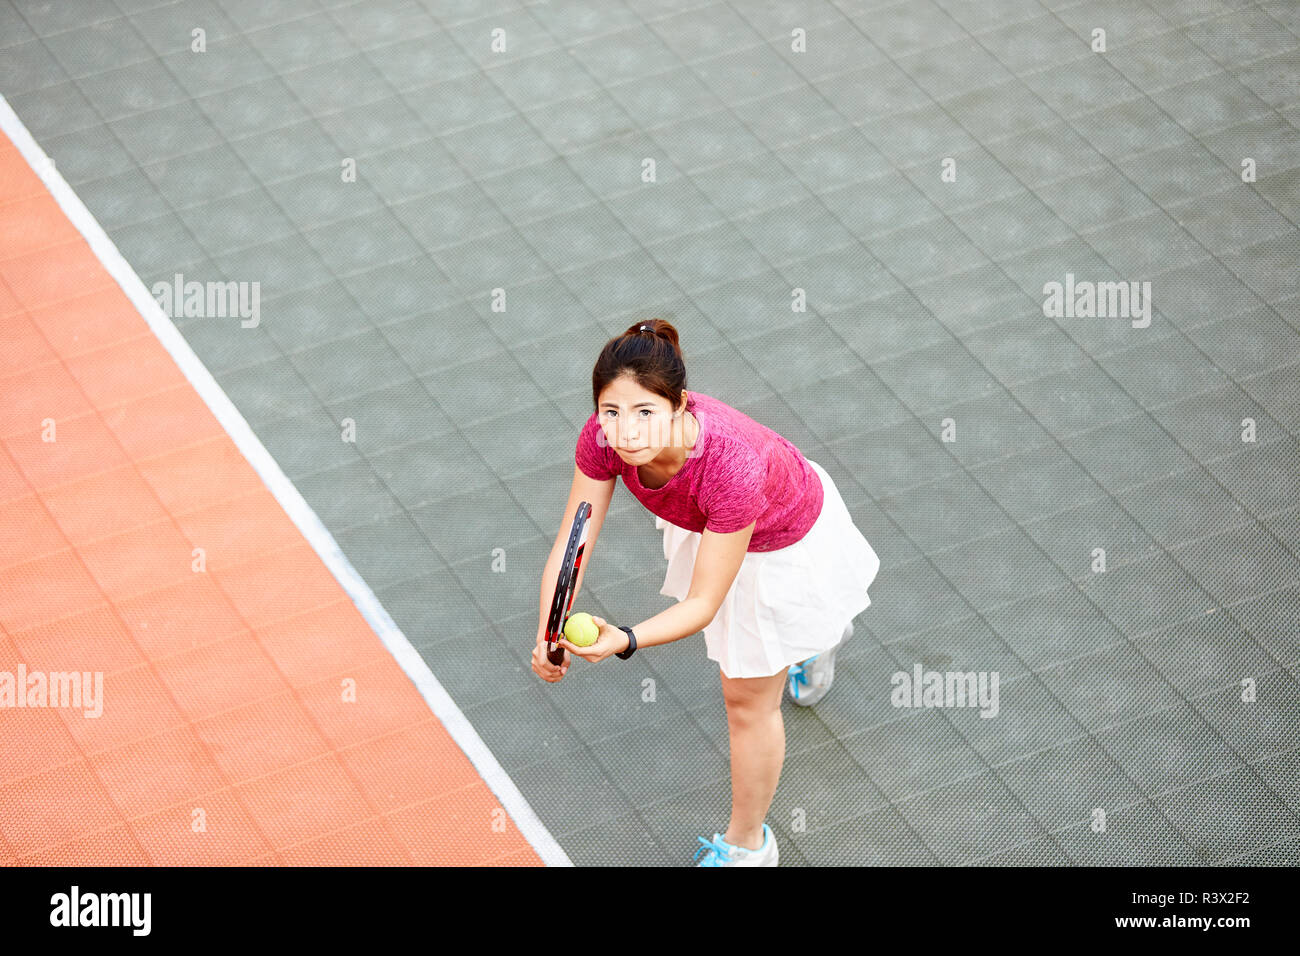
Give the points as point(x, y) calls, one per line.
point(611, 640)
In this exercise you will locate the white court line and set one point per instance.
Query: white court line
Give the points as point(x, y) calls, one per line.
point(290, 499)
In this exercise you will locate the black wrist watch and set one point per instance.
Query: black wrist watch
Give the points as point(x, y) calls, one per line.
point(631, 647)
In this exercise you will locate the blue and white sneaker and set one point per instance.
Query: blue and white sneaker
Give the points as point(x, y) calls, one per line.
point(808, 681)
point(718, 852)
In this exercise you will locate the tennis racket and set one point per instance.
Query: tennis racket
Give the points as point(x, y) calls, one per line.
point(566, 583)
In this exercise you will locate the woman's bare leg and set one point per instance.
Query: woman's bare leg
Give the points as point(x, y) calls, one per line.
point(757, 753)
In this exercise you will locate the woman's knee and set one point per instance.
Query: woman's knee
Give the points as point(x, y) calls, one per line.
point(752, 698)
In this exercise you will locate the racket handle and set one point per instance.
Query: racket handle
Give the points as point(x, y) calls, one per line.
point(556, 655)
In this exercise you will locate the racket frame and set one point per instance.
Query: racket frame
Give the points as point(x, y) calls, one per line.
point(566, 583)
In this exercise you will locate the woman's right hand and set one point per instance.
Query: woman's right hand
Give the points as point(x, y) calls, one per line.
point(542, 666)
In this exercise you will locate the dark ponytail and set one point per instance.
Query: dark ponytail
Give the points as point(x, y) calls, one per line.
point(650, 353)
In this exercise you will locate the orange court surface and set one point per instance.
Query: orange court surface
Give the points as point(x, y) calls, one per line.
point(250, 715)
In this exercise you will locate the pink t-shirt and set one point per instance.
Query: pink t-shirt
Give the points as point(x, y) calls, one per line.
point(738, 471)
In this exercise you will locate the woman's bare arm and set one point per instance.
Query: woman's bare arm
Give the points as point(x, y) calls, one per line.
point(717, 562)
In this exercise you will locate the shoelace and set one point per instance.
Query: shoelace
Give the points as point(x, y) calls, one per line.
point(798, 675)
point(719, 851)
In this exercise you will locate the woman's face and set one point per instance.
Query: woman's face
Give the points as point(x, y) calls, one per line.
point(637, 423)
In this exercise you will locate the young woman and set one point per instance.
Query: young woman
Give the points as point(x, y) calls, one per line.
point(762, 553)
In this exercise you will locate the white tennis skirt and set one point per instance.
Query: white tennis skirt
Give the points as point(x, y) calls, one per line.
point(785, 605)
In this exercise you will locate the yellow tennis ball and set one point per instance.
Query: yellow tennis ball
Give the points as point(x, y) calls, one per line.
point(580, 629)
